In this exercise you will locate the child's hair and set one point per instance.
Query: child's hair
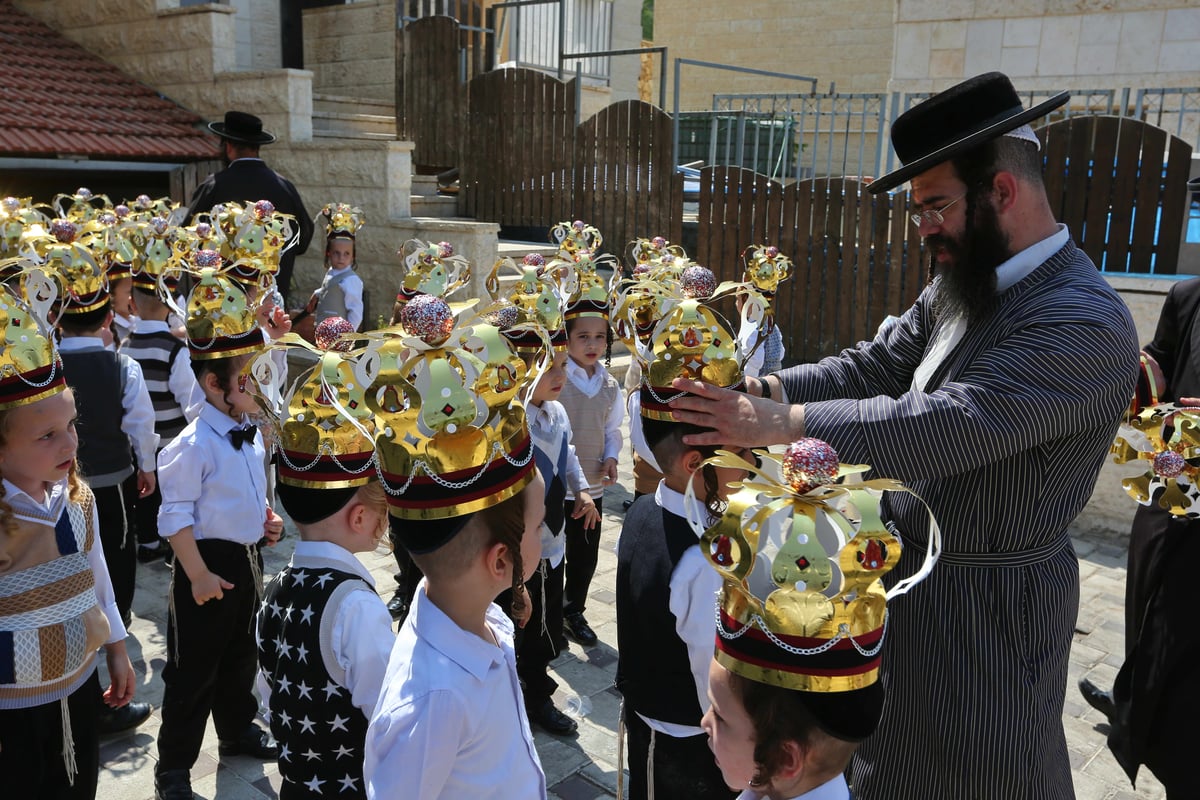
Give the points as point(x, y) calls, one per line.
point(86, 322)
point(222, 369)
point(144, 295)
point(665, 440)
point(503, 523)
point(608, 338)
point(74, 483)
point(780, 715)
point(307, 506)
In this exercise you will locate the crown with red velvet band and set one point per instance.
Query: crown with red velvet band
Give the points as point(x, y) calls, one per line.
point(254, 237)
point(587, 293)
point(220, 320)
point(802, 606)
point(534, 298)
point(451, 436)
point(30, 369)
point(62, 252)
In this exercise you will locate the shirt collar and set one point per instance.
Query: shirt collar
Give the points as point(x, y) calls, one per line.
point(337, 273)
point(71, 344)
point(26, 507)
point(218, 420)
point(471, 653)
point(246, 160)
point(670, 500)
point(833, 789)
point(579, 376)
point(328, 551)
point(1012, 271)
point(151, 326)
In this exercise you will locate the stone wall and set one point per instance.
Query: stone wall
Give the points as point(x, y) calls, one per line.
point(351, 49)
point(848, 42)
point(1048, 44)
point(257, 34)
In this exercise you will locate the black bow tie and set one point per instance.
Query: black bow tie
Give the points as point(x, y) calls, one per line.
point(240, 436)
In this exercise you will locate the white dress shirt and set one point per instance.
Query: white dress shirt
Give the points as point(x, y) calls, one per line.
point(693, 588)
point(360, 637)
point(137, 421)
point(206, 483)
point(451, 721)
point(26, 508)
point(181, 380)
point(614, 418)
point(833, 789)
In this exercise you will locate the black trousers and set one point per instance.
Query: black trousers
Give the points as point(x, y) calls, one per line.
point(31, 743)
point(117, 539)
point(211, 656)
point(536, 644)
point(146, 515)
point(583, 550)
point(684, 769)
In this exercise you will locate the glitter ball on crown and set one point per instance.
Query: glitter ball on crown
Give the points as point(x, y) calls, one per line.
point(83, 193)
point(445, 249)
point(264, 208)
point(10, 205)
point(330, 331)
point(808, 464)
point(698, 283)
point(428, 318)
point(658, 242)
point(534, 260)
point(64, 230)
point(206, 258)
point(160, 225)
point(122, 211)
point(203, 230)
point(1169, 464)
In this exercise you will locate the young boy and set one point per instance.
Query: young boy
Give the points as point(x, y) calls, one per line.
point(324, 602)
point(450, 722)
point(176, 397)
point(665, 590)
point(214, 512)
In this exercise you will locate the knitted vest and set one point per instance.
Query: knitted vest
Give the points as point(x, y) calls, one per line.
point(156, 353)
point(105, 457)
point(653, 672)
point(321, 733)
point(588, 416)
point(50, 624)
point(333, 298)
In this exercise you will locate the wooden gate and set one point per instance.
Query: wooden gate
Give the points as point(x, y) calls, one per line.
point(1120, 185)
point(625, 181)
point(520, 141)
point(857, 259)
point(431, 95)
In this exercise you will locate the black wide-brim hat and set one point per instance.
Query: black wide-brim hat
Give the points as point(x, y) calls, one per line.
point(956, 120)
point(242, 127)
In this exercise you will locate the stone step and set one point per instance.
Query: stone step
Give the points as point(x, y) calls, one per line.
point(354, 123)
point(343, 104)
point(518, 250)
point(433, 206)
point(325, 133)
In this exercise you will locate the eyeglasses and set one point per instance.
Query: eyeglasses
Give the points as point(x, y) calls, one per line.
point(933, 216)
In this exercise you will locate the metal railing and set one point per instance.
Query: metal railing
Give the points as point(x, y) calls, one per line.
point(540, 34)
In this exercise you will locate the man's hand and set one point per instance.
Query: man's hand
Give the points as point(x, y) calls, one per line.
point(146, 483)
point(585, 507)
point(209, 586)
point(273, 527)
point(736, 418)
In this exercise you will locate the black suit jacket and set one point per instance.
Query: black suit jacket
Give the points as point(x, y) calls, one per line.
point(1176, 347)
point(249, 180)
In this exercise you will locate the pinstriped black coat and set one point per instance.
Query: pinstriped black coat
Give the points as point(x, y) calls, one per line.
point(1005, 446)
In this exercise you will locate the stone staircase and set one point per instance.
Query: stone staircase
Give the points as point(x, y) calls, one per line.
point(336, 116)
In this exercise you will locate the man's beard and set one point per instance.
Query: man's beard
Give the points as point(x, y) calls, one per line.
point(968, 279)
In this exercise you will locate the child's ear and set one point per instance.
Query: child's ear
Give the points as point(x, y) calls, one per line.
point(108, 318)
point(792, 760)
point(691, 460)
point(499, 561)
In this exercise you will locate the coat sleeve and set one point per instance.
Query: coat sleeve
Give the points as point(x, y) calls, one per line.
point(1164, 348)
point(202, 199)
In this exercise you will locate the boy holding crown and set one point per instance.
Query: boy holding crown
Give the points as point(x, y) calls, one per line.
point(457, 462)
point(214, 513)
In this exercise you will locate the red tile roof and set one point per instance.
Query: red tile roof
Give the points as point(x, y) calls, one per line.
point(58, 99)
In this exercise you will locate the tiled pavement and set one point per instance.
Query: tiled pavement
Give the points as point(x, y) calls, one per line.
point(584, 768)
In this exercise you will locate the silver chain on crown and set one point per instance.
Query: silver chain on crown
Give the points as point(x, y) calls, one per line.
point(843, 633)
point(325, 450)
point(47, 382)
point(421, 465)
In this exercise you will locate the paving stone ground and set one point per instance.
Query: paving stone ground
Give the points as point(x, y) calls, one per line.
point(584, 768)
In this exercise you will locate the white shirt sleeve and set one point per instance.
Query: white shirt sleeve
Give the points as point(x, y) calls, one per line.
point(105, 598)
point(637, 436)
point(693, 601)
point(184, 386)
point(180, 474)
point(138, 420)
point(753, 367)
point(613, 438)
point(406, 751)
point(352, 289)
point(362, 642)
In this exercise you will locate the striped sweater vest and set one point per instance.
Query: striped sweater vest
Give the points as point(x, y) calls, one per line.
point(156, 353)
point(50, 623)
point(589, 416)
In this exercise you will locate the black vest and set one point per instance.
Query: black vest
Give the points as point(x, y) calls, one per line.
point(653, 671)
point(156, 353)
point(105, 454)
point(321, 733)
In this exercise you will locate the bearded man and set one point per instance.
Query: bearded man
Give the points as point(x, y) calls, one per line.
point(995, 397)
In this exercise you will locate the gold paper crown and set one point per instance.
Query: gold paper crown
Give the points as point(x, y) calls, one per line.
point(81, 206)
point(431, 268)
point(802, 605)
point(575, 237)
point(655, 251)
point(143, 209)
point(766, 268)
point(30, 368)
point(1165, 438)
point(342, 219)
point(111, 241)
point(537, 300)
point(220, 320)
point(587, 295)
point(325, 429)
point(255, 236)
point(16, 215)
point(163, 251)
point(451, 434)
point(62, 254)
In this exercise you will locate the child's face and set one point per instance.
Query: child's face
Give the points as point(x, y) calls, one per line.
point(340, 253)
point(586, 341)
point(535, 512)
point(39, 442)
point(730, 730)
point(550, 384)
point(122, 297)
point(238, 400)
